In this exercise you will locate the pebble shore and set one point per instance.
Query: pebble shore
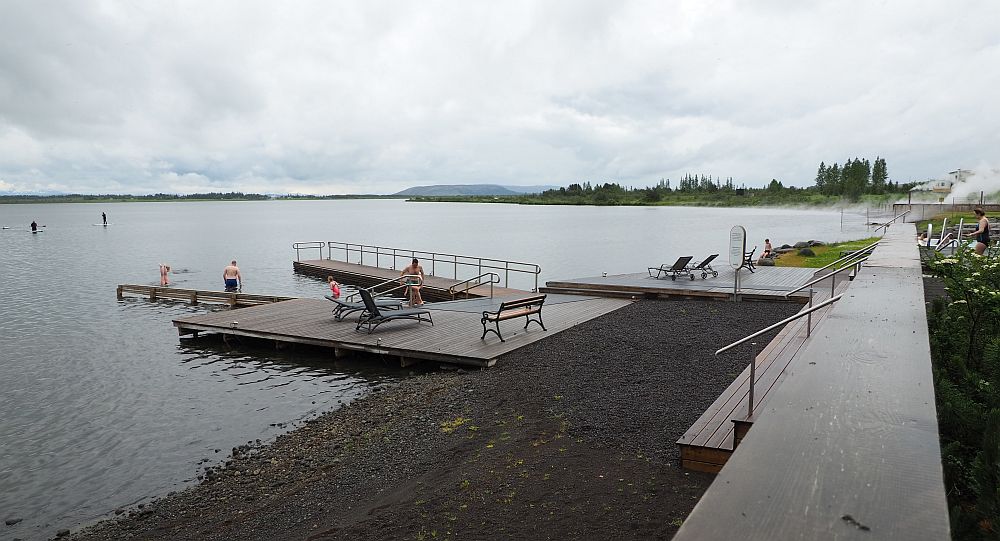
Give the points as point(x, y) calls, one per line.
point(571, 437)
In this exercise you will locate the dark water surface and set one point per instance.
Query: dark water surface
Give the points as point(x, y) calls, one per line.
point(103, 406)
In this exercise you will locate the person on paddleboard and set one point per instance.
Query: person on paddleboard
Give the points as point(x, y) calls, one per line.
point(232, 277)
point(104, 217)
point(34, 226)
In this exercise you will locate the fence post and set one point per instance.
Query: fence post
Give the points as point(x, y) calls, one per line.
point(809, 316)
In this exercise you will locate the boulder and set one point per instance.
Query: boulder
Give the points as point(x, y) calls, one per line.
point(784, 250)
point(765, 262)
point(806, 252)
point(817, 243)
point(801, 244)
point(785, 247)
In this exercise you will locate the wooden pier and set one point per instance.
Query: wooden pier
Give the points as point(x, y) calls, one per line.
point(454, 337)
point(435, 288)
point(767, 283)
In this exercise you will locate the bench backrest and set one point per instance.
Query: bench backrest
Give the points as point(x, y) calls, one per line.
point(521, 303)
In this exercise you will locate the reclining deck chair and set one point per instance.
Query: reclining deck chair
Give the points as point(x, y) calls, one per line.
point(705, 268)
point(679, 267)
point(345, 307)
point(372, 317)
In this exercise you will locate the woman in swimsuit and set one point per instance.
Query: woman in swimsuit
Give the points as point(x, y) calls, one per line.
point(983, 233)
point(334, 287)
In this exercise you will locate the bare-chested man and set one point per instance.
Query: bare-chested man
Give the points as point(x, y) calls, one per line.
point(231, 274)
point(414, 268)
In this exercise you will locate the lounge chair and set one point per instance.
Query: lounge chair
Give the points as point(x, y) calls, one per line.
point(705, 268)
point(679, 267)
point(372, 317)
point(346, 307)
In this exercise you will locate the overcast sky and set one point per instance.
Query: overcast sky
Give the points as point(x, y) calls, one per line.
point(374, 97)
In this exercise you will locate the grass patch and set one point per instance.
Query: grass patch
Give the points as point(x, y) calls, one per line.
point(953, 218)
point(824, 254)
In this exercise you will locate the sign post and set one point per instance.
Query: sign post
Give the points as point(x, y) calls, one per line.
point(737, 250)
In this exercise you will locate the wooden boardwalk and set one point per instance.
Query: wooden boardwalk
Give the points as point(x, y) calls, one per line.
point(454, 337)
point(848, 447)
point(435, 287)
point(711, 440)
point(769, 283)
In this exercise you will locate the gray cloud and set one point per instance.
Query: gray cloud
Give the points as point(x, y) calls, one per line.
point(379, 96)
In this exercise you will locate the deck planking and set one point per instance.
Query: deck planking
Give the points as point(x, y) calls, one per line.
point(766, 283)
point(454, 337)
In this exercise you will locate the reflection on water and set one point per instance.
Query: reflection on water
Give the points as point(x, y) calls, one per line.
point(103, 406)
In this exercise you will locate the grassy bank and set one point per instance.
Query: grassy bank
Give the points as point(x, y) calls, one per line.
point(824, 254)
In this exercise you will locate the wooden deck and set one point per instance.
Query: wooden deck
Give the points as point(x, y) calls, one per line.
point(435, 287)
point(849, 446)
point(711, 440)
point(454, 337)
point(770, 283)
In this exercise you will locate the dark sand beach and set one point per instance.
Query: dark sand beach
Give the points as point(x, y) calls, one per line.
point(572, 437)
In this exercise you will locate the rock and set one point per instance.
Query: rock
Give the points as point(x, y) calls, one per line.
point(806, 252)
point(801, 244)
point(817, 243)
point(785, 247)
point(765, 262)
point(784, 250)
point(62, 533)
point(12, 521)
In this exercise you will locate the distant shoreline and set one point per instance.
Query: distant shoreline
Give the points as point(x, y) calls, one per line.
point(161, 198)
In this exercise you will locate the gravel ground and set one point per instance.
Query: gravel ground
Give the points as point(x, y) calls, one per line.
point(572, 437)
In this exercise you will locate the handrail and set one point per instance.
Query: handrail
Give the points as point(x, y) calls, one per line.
point(753, 358)
point(887, 224)
point(833, 283)
point(312, 245)
point(454, 261)
point(494, 279)
point(780, 323)
point(420, 282)
point(851, 255)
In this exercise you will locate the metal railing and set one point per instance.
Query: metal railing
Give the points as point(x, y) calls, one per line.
point(381, 256)
point(395, 281)
point(314, 245)
point(475, 282)
point(753, 357)
point(856, 266)
point(887, 224)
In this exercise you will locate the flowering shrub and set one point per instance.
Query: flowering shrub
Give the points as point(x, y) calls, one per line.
point(965, 347)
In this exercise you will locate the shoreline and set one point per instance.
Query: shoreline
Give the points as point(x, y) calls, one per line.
point(570, 437)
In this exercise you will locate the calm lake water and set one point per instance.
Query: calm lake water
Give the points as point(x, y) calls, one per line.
point(104, 406)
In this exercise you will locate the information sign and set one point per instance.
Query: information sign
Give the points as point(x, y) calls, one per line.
point(737, 246)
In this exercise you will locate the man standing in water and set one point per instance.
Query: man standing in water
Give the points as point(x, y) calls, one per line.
point(104, 217)
point(231, 275)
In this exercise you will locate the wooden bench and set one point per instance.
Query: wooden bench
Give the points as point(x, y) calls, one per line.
point(526, 307)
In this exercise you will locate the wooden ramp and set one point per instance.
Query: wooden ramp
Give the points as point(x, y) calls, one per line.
point(770, 283)
point(435, 288)
point(711, 440)
point(195, 296)
point(454, 337)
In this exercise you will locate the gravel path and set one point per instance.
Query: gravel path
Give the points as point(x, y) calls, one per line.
point(572, 437)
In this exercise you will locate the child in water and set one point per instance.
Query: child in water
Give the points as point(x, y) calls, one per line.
point(164, 271)
point(334, 287)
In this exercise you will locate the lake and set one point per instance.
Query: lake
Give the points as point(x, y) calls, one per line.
point(104, 406)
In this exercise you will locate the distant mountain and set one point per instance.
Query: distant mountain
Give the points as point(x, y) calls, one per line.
point(472, 189)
